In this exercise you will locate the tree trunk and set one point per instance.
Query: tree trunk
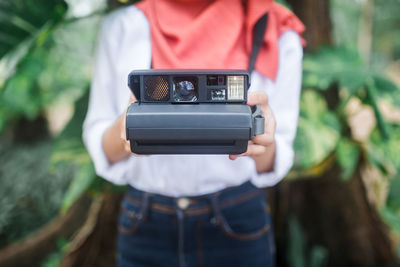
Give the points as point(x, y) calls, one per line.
point(95, 243)
point(315, 15)
point(332, 213)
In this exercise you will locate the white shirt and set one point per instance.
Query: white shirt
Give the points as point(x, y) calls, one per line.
point(125, 45)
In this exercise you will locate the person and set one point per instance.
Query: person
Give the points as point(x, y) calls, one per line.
point(189, 210)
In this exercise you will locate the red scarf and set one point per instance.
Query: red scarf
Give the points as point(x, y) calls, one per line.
point(215, 34)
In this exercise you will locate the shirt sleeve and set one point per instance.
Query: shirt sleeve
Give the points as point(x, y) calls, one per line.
point(109, 92)
point(284, 97)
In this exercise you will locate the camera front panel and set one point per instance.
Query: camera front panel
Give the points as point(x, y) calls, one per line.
point(189, 87)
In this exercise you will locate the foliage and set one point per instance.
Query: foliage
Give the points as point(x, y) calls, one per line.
point(385, 31)
point(21, 32)
point(50, 65)
point(300, 254)
point(28, 201)
point(55, 258)
point(345, 15)
point(70, 151)
point(331, 78)
point(323, 124)
point(57, 69)
point(318, 132)
point(387, 154)
point(18, 25)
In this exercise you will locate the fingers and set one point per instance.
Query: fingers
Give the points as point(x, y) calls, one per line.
point(260, 143)
point(268, 137)
point(257, 98)
point(252, 150)
point(233, 157)
point(132, 99)
point(127, 146)
point(264, 139)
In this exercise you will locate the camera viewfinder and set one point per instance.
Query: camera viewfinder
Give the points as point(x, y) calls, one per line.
point(212, 80)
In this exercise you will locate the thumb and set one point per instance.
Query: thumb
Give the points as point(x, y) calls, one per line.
point(132, 99)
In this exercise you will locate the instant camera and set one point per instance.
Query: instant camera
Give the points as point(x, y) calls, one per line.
point(191, 112)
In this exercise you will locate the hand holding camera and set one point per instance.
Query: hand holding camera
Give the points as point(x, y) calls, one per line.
point(262, 147)
point(261, 144)
point(114, 142)
point(191, 112)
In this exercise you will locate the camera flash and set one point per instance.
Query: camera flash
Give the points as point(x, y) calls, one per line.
point(235, 85)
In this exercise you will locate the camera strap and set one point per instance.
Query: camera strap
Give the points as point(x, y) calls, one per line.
point(258, 39)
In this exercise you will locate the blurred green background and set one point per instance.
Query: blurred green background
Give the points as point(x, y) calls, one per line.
point(349, 125)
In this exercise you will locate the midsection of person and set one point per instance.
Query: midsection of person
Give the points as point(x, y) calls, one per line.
point(180, 175)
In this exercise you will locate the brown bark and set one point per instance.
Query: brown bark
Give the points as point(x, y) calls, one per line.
point(95, 244)
point(334, 214)
point(35, 248)
point(315, 15)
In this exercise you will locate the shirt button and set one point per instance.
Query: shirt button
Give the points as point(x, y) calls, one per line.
point(183, 202)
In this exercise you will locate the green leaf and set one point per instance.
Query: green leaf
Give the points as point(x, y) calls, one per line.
point(56, 71)
point(392, 218)
point(319, 256)
point(385, 154)
point(21, 93)
point(394, 192)
point(19, 20)
point(81, 182)
point(372, 100)
point(348, 156)
point(69, 150)
point(383, 84)
point(329, 65)
point(296, 255)
point(318, 131)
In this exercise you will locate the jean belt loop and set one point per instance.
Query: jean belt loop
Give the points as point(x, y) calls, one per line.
point(146, 205)
point(217, 219)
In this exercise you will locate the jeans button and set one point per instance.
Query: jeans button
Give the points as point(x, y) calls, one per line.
point(183, 202)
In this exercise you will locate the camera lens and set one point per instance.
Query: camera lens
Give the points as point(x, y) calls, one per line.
point(185, 90)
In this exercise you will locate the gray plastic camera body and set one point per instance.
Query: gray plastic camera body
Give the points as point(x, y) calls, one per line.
point(191, 128)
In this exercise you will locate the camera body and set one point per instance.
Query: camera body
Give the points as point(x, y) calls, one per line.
point(191, 112)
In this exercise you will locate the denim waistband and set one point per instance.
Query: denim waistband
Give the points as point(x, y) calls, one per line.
point(210, 204)
point(197, 205)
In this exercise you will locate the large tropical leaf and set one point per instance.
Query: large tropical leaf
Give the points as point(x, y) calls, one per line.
point(329, 65)
point(318, 132)
point(25, 24)
point(348, 156)
point(342, 65)
point(345, 67)
point(22, 19)
point(70, 151)
point(57, 70)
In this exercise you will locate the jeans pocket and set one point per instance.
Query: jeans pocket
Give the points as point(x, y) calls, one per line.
point(131, 216)
point(246, 221)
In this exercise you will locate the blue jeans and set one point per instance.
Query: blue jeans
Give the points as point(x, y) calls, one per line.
point(228, 228)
